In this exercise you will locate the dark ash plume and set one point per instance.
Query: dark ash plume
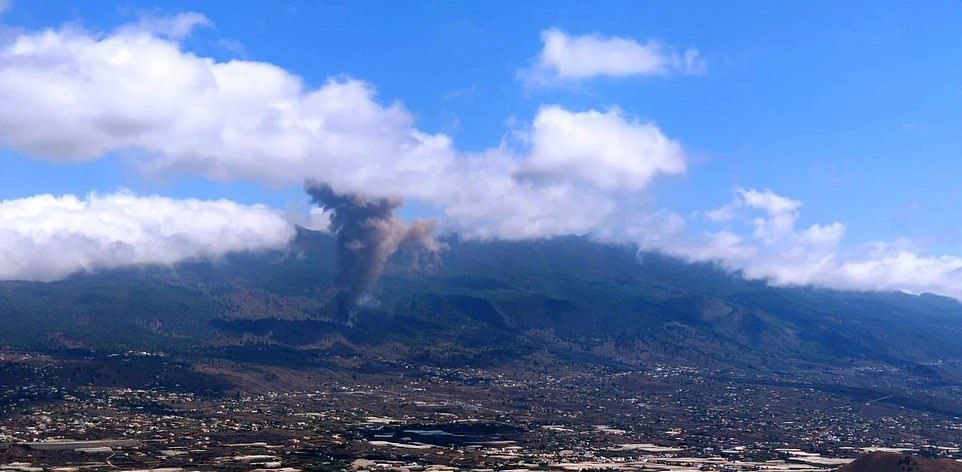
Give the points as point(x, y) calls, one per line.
point(368, 233)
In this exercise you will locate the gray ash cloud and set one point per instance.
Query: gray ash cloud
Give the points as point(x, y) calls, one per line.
point(368, 233)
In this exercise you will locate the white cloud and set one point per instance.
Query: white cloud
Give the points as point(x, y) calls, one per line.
point(47, 237)
point(567, 58)
point(71, 95)
point(232, 46)
point(604, 150)
point(780, 213)
point(823, 234)
point(771, 202)
point(887, 267)
point(720, 214)
point(177, 26)
point(777, 251)
point(778, 220)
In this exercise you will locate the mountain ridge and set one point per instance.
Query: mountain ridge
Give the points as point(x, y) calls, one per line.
point(605, 301)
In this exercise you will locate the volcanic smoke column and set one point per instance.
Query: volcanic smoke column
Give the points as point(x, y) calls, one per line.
point(368, 234)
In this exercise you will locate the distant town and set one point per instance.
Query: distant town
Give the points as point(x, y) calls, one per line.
point(428, 418)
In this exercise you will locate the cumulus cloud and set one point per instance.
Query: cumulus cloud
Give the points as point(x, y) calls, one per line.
point(135, 90)
point(779, 213)
point(568, 58)
point(776, 250)
point(604, 150)
point(71, 95)
point(47, 237)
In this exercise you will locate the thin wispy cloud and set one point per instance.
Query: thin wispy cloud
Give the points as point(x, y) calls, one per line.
point(175, 27)
point(566, 58)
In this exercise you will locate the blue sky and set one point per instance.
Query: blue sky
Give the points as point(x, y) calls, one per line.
point(851, 109)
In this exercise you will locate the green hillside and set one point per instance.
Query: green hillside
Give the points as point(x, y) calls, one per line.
point(484, 302)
